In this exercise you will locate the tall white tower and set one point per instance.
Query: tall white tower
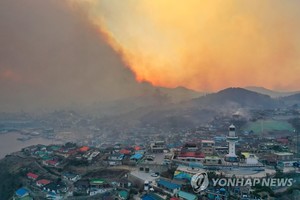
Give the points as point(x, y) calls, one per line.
point(231, 139)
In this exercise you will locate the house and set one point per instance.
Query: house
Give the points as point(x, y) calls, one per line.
point(124, 183)
point(191, 152)
point(208, 147)
point(98, 183)
point(71, 177)
point(95, 191)
point(93, 155)
point(283, 156)
point(136, 156)
point(82, 187)
point(168, 186)
point(56, 188)
point(157, 146)
point(125, 151)
point(191, 156)
point(115, 159)
point(42, 182)
point(186, 196)
point(137, 148)
point(84, 149)
point(66, 152)
point(191, 146)
point(21, 193)
point(283, 141)
point(251, 159)
point(32, 176)
point(212, 160)
point(53, 196)
point(151, 196)
point(123, 195)
point(52, 163)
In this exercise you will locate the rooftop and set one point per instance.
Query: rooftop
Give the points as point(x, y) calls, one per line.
point(97, 181)
point(32, 175)
point(43, 181)
point(207, 141)
point(123, 194)
point(151, 196)
point(84, 148)
point(21, 192)
point(283, 153)
point(136, 156)
point(168, 184)
point(192, 154)
point(187, 196)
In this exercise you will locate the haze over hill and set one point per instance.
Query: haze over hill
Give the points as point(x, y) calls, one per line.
point(239, 97)
point(292, 99)
point(154, 97)
point(271, 93)
point(199, 110)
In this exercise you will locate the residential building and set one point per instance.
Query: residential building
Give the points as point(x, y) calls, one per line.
point(56, 188)
point(168, 187)
point(71, 177)
point(208, 147)
point(158, 146)
point(42, 182)
point(82, 187)
point(21, 194)
point(186, 196)
point(115, 159)
point(32, 176)
point(283, 156)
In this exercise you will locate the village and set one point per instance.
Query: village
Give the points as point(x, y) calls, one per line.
point(159, 169)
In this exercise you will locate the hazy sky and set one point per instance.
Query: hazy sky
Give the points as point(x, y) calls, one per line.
point(204, 45)
point(62, 52)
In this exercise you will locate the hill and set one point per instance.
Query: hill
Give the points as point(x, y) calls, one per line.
point(271, 93)
point(151, 97)
point(237, 97)
point(292, 99)
point(197, 111)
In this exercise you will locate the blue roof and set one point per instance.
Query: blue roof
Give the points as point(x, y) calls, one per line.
point(195, 165)
point(182, 176)
point(187, 196)
point(151, 197)
point(21, 192)
point(168, 184)
point(136, 156)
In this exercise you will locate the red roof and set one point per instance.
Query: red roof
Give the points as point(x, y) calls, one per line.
point(125, 151)
point(32, 175)
point(51, 162)
point(71, 151)
point(84, 148)
point(192, 154)
point(283, 140)
point(137, 148)
point(43, 182)
point(174, 198)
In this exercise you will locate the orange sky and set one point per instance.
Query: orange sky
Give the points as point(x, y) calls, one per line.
point(204, 45)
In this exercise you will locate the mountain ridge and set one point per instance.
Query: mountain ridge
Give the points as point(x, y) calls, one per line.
point(271, 93)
